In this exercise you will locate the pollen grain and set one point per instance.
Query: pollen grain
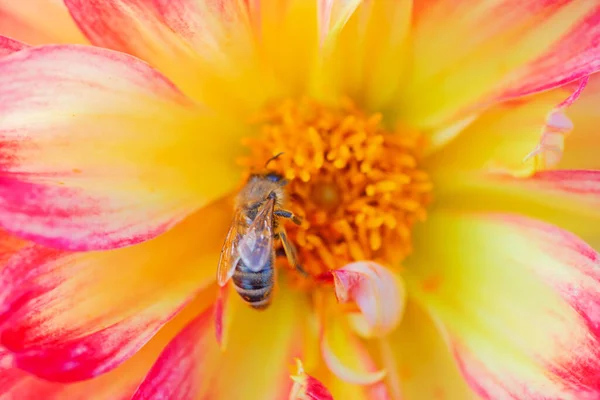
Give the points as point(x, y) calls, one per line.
point(356, 183)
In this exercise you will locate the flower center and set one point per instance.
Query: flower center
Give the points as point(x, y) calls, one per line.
point(356, 184)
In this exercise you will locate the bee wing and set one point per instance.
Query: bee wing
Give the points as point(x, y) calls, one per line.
point(230, 252)
point(256, 247)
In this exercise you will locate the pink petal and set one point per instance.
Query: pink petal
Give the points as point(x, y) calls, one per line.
point(306, 387)
point(8, 46)
point(97, 149)
point(379, 294)
point(517, 300)
point(72, 316)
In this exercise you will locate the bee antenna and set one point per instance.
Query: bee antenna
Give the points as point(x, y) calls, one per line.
point(275, 157)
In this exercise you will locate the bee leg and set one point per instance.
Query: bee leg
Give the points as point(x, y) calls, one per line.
point(288, 215)
point(290, 252)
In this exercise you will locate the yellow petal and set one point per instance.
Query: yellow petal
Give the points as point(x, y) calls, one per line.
point(418, 362)
point(366, 58)
point(288, 41)
point(271, 339)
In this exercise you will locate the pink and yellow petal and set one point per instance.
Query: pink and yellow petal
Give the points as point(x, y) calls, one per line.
point(516, 298)
point(519, 50)
point(101, 151)
point(206, 48)
point(38, 22)
point(73, 316)
point(572, 191)
point(119, 383)
point(195, 368)
point(566, 198)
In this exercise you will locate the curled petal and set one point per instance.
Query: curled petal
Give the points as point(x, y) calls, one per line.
point(346, 356)
point(379, 294)
point(499, 138)
point(306, 387)
point(517, 301)
point(8, 46)
point(548, 153)
point(98, 149)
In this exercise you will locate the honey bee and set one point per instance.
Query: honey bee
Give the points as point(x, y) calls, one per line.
point(248, 253)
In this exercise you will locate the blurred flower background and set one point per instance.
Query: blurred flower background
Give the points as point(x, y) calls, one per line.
point(443, 155)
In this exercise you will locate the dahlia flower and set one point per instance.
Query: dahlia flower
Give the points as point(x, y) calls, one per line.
point(441, 154)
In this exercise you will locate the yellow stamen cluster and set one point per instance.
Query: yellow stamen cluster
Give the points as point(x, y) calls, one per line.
point(356, 184)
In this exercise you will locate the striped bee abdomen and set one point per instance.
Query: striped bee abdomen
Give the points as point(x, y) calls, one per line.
point(254, 287)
